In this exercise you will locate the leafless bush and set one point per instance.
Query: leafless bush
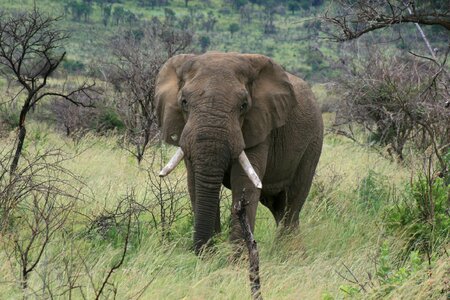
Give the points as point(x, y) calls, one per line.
point(77, 121)
point(106, 281)
point(124, 220)
point(162, 203)
point(138, 56)
point(35, 203)
point(168, 198)
point(115, 219)
point(397, 99)
point(42, 174)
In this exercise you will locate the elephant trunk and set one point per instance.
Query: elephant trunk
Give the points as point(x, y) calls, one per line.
point(209, 164)
point(207, 192)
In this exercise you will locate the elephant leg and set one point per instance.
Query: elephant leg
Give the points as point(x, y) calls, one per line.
point(279, 207)
point(276, 204)
point(239, 180)
point(299, 189)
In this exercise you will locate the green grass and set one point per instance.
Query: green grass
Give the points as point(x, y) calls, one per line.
point(335, 231)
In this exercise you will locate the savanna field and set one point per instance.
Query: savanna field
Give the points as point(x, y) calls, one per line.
point(81, 218)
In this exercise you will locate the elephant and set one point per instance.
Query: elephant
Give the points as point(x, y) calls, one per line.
point(242, 121)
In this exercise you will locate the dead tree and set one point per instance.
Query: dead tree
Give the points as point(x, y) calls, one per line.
point(31, 49)
point(253, 255)
point(353, 19)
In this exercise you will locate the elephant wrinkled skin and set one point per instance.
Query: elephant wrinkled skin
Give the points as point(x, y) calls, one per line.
point(216, 105)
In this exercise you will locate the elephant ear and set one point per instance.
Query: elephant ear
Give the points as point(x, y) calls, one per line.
point(168, 83)
point(272, 97)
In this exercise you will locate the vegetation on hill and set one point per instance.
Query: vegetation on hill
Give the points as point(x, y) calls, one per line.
point(288, 31)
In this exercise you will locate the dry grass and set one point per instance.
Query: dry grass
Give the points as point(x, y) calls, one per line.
point(334, 231)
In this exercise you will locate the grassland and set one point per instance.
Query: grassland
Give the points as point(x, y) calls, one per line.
point(339, 230)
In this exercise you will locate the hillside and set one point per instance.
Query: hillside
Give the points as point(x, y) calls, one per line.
point(293, 41)
point(294, 37)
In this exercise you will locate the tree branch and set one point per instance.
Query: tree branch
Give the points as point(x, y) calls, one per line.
point(253, 254)
point(356, 19)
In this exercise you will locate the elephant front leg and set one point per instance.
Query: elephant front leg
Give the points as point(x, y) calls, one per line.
point(240, 181)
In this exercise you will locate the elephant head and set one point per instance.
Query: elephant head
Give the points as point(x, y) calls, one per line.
point(213, 107)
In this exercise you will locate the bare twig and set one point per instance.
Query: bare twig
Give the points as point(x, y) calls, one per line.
point(355, 19)
point(354, 280)
point(119, 264)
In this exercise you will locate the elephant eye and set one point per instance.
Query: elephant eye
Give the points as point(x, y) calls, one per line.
point(184, 104)
point(244, 106)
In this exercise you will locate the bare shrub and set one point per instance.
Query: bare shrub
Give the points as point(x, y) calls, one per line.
point(109, 221)
point(138, 56)
point(77, 121)
point(35, 203)
point(162, 203)
point(168, 197)
point(126, 222)
point(397, 99)
point(106, 281)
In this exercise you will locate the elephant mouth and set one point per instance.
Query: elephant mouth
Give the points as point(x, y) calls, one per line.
point(243, 161)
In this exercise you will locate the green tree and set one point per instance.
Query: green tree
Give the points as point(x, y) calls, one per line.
point(293, 6)
point(205, 41)
point(80, 9)
point(169, 15)
point(233, 28)
point(106, 14)
point(118, 14)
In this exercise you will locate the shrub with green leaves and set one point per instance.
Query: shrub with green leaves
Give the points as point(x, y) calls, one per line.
point(423, 217)
point(372, 191)
point(389, 274)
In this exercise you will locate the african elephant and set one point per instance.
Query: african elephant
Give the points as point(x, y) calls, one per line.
point(239, 118)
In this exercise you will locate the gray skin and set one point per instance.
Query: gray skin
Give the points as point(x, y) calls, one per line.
point(214, 106)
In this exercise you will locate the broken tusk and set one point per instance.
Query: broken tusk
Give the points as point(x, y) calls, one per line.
point(247, 166)
point(173, 163)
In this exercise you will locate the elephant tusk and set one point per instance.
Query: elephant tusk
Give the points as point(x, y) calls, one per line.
point(247, 166)
point(173, 162)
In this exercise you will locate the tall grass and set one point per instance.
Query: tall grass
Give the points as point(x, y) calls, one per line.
point(337, 232)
